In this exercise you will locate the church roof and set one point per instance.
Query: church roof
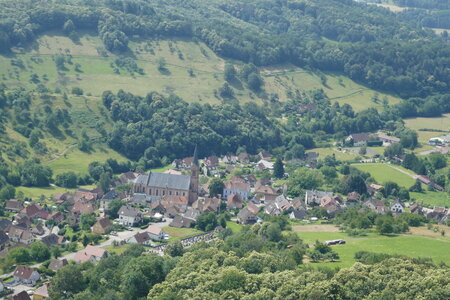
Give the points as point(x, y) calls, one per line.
point(163, 180)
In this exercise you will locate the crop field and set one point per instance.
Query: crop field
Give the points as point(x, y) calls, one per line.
point(383, 173)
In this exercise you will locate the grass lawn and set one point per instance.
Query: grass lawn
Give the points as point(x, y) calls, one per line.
point(431, 198)
point(439, 123)
point(180, 233)
point(412, 246)
point(234, 226)
point(117, 250)
point(36, 192)
point(162, 169)
point(384, 172)
point(78, 161)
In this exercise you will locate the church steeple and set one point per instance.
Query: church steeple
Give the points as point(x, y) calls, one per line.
point(195, 158)
point(195, 169)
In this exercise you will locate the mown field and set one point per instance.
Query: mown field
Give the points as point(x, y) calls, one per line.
point(408, 245)
point(437, 123)
point(384, 173)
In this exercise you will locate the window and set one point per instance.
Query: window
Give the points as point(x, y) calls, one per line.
point(170, 193)
point(177, 193)
point(156, 192)
point(164, 192)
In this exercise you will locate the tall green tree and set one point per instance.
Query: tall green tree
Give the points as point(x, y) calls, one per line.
point(278, 169)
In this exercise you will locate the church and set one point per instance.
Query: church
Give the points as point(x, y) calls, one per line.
point(158, 185)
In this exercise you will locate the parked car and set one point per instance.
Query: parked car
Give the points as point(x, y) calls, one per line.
point(113, 233)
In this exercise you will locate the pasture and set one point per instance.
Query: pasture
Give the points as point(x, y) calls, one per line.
point(383, 173)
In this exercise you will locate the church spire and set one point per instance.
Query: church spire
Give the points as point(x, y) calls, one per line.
point(195, 158)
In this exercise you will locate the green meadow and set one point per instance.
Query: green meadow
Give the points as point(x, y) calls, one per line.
point(383, 173)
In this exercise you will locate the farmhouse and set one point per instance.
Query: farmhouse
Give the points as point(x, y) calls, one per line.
point(387, 139)
point(101, 226)
point(155, 233)
point(358, 139)
point(142, 238)
point(246, 216)
point(398, 206)
point(314, 196)
point(234, 201)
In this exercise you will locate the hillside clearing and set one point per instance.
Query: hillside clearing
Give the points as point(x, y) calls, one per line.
point(383, 173)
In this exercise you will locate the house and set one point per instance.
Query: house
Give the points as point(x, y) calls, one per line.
point(297, 204)
point(234, 201)
point(387, 139)
point(265, 155)
point(416, 209)
point(56, 216)
point(155, 233)
point(34, 211)
point(181, 222)
point(272, 209)
point(376, 205)
point(41, 293)
point(23, 295)
point(142, 238)
point(244, 158)
point(14, 205)
point(246, 216)
point(424, 179)
point(101, 226)
point(57, 264)
point(211, 162)
point(312, 156)
point(252, 208)
point(20, 235)
point(352, 198)
point(230, 159)
point(263, 165)
point(81, 207)
point(312, 197)
point(265, 193)
point(358, 139)
point(192, 213)
point(52, 240)
point(86, 195)
point(26, 275)
point(108, 197)
point(129, 216)
point(184, 163)
point(441, 140)
point(298, 214)
point(398, 206)
point(90, 253)
point(240, 188)
point(374, 188)
point(38, 230)
point(283, 203)
point(207, 204)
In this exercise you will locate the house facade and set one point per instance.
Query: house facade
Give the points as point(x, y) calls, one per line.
point(129, 216)
point(26, 275)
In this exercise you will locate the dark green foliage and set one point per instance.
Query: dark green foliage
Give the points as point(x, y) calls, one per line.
point(278, 169)
point(174, 249)
point(215, 187)
point(206, 221)
point(416, 187)
point(353, 183)
point(113, 208)
point(67, 180)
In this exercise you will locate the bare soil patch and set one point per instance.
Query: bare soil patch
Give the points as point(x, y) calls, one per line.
point(315, 228)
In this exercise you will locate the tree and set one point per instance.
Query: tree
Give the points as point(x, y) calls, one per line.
point(68, 26)
point(67, 180)
point(353, 183)
point(113, 208)
point(304, 178)
point(77, 91)
point(206, 221)
point(395, 149)
point(226, 91)
point(273, 232)
point(363, 150)
point(416, 187)
point(229, 72)
point(104, 181)
point(278, 169)
point(86, 221)
point(39, 251)
point(174, 249)
point(19, 255)
point(161, 64)
point(68, 281)
point(7, 192)
point(216, 187)
point(254, 82)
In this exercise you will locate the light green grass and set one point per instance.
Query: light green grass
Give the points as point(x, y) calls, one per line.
point(162, 169)
point(439, 123)
point(117, 249)
point(179, 233)
point(383, 173)
point(412, 246)
point(431, 198)
point(36, 192)
point(97, 75)
point(234, 226)
point(78, 161)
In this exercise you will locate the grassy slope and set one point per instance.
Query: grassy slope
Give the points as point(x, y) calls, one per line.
point(96, 74)
point(439, 123)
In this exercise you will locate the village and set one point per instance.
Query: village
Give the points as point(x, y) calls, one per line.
point(139, 206)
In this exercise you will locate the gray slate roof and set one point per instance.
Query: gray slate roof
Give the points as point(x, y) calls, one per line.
point(163, 180)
